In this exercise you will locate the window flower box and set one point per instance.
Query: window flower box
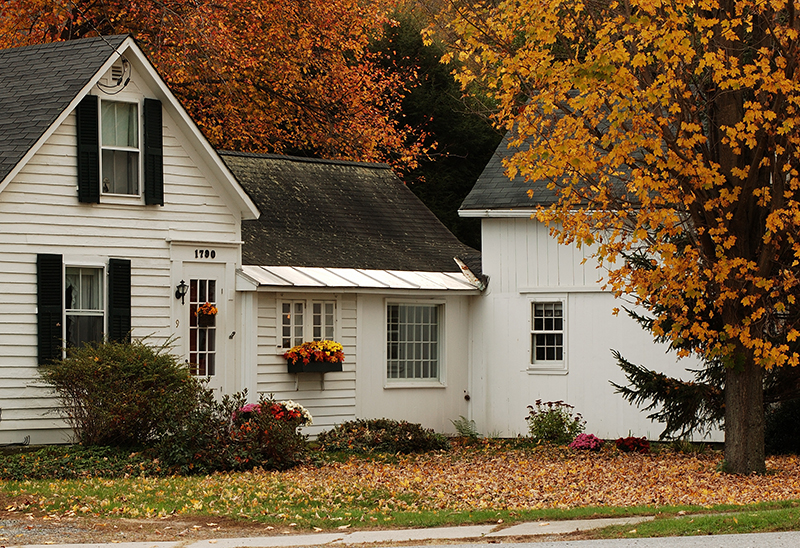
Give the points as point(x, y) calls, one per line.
point(315, 357)
point(206, 314)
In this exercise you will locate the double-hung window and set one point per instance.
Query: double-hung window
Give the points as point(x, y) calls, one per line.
point(119, 143)
point(84, 306)
point(120, 150)
point(78, 304)
point(303, 321)
point(413, 341)
point(547, 334)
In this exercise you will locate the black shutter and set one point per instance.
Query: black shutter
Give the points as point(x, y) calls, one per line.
point(88, 151)
point(50, 295)
point(119, 299)
point(153, 153)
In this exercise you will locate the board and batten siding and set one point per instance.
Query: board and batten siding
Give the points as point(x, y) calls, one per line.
point(329, 399)
point(525, 265)
point(40, 213)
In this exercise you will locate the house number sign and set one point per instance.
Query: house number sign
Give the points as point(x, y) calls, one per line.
point(205, 254)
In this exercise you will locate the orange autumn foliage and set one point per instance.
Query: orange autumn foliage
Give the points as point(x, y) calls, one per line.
point(256, 75)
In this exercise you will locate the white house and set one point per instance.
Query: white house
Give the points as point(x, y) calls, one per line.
point(544, 329)
point(110, 197)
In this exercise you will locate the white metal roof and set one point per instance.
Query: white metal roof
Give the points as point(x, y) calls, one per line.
point(352, 278)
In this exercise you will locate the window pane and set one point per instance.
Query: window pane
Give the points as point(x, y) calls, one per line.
point(83, 329)
point(120, 172)
point(84, 289)
point(120, 123)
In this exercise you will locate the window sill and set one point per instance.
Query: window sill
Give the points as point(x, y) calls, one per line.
point(388, 385)
point(546, 370)
point(121, 199)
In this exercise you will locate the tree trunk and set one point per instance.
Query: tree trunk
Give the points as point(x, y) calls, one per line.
point(744, 419)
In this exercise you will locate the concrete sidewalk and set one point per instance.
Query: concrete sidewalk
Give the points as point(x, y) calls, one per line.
point(467, 532)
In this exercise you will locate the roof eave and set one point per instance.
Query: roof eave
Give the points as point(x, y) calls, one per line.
point(492, 212)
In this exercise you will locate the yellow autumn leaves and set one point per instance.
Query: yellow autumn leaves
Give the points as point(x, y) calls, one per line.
point(376, 490)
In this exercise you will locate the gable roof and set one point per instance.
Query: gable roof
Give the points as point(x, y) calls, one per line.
point(40, 86)
point(335, 214)
point(495, 191)
point(37, 83)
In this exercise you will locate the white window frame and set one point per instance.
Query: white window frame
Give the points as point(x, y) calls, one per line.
point(137, 149)
point(94, 312)
point(400, 382)
point(307, 325)
point(554, 366)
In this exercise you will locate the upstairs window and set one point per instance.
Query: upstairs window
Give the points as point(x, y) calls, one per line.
point(120, 150)
point(119, 147)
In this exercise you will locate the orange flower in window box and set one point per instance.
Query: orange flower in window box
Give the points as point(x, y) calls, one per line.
point(315, 356)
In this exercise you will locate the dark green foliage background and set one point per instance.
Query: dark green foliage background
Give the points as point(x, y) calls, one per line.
point(460, 126)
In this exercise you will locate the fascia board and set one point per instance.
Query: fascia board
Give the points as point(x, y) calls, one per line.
point(484, 213)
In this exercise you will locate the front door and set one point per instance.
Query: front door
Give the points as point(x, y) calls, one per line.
point(205, 307)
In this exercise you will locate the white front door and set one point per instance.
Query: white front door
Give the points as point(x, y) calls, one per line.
point(205, 321)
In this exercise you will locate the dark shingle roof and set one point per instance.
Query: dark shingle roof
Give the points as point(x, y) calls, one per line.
point(338, 215)
point(37, 83)
point(494, 190)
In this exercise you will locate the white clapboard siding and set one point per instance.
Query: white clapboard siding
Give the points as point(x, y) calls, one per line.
point(40, 213)
point(329, 406)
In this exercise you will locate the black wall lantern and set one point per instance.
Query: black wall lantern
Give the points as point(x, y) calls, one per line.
point(180, 291)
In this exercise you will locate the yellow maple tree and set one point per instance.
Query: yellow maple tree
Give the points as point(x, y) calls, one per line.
point(669, 131)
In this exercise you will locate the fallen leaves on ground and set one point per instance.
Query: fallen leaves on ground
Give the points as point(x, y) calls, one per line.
point(464, 479)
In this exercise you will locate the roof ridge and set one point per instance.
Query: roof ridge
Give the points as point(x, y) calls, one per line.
point(372, 165)
point(71, 43)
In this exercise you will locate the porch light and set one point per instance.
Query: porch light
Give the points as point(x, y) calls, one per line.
point(180, 291)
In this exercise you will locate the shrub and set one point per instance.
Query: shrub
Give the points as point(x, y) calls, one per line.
point(381, 436)
point(782, 428)
point(633, 444)
point(265, 434)
point(121, 394)
point(232, 435)
point(586, 442)
point(553, 422)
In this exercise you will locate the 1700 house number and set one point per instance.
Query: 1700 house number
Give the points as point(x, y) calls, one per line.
point(204, 254)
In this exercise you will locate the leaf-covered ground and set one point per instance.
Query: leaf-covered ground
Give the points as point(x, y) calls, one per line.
point(377, 490)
